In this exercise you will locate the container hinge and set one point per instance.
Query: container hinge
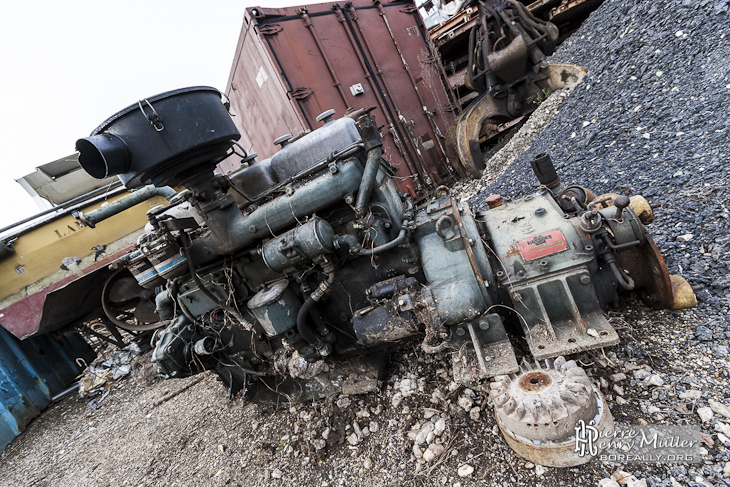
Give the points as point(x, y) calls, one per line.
point(270, 29)
point(300, 93)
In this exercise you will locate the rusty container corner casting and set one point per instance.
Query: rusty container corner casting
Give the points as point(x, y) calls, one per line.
point(292, 64)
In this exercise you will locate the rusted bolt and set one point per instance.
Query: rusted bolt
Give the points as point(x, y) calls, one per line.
point(349, 199)
point(493, 201)
point(584, 279)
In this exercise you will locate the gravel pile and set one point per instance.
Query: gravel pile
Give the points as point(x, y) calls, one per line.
point(651, 118)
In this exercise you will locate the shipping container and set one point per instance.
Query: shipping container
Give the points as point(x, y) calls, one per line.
point(32, 371)
point(292, 64)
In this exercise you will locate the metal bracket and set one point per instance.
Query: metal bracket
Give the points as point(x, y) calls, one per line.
point(300, 93)
point(270, 29)
point(482, 350)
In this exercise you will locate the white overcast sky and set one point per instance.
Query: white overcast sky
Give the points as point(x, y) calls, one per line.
point(65, 66)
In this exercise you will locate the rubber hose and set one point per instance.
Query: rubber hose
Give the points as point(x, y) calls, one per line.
point(387, 246)
point(306, 333)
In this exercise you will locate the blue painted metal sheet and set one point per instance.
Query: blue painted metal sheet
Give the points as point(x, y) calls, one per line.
point(31, 372)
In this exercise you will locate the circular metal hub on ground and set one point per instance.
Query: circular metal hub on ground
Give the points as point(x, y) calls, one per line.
point(538, 412)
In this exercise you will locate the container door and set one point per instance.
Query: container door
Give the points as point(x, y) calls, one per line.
point(362, 55)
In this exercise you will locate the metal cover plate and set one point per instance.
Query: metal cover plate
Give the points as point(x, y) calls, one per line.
point(542, 245)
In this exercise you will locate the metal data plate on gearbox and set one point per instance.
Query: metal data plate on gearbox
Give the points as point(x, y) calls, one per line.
point(542, 245)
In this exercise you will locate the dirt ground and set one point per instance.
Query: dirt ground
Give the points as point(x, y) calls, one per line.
point(199, 438)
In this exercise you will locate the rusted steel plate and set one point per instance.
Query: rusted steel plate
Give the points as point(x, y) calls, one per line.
point(32, 372)
point(51, 308)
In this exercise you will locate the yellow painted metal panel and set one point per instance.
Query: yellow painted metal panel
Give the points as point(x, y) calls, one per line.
point(40, 253)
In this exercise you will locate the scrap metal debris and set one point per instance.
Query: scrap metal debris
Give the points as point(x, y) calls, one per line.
point(104, 372)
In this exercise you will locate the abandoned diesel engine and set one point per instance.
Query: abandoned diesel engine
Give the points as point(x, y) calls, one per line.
point(297, 274)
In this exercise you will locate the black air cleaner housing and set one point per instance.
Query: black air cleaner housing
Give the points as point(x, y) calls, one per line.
point(162, 140)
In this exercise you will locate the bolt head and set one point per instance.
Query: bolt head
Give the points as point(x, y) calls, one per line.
point(460, 331)
point(584, 279)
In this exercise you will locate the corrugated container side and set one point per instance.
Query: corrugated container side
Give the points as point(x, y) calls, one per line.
point(294, 63)
point(32, 371)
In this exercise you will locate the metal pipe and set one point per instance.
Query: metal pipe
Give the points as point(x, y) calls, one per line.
point(381, 10)
point(72, 388)
point(382, 102)
point(231, 231)
point(65, 205)
point(437, 62)
point(93, 217)
point(387, 246)
point(352, 243)
point(368, 179)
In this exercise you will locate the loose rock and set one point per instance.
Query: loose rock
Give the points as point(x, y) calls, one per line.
point(465, 470)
